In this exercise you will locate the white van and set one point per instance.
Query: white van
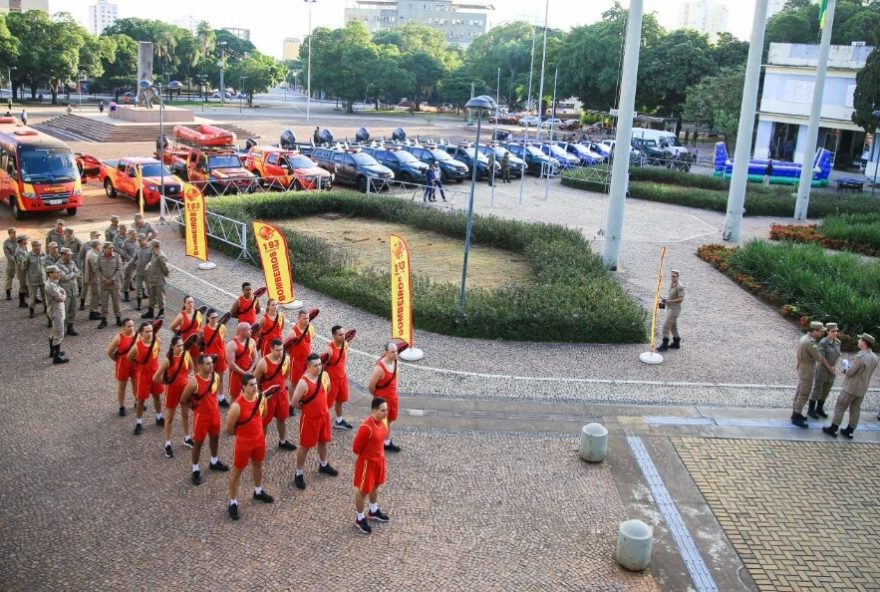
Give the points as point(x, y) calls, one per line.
point(661, 137)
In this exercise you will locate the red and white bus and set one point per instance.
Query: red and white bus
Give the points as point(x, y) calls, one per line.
point(37, 172)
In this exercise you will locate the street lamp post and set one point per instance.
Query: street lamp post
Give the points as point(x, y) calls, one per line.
point(481, 105)
point(9, 70)
point(241, 80)
point(82, 75)
point(309, 74)
point(160, 141)
point(222, 65)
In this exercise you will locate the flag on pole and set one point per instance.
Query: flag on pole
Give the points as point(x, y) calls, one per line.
point(401, 290)
point(657, 297)
point(823, 8)
point(275, 260)
point(194, 215)
point(140, 182)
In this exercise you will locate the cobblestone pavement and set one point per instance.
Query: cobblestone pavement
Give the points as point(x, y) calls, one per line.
point(802, 516)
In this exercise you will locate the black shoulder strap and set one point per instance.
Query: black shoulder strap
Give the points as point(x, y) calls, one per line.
point(318, 384)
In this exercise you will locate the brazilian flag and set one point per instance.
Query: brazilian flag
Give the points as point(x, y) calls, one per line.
point(823, 8)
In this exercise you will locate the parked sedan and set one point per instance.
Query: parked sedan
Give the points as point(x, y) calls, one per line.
point(551, 122)
point(465, 154)
point(535, 160)
point(530, 120)
point(450, 169)
point(582, 153)
point(566, 160)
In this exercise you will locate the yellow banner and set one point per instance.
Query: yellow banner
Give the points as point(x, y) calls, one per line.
point(275, 260)
point(401, 291)
point(194, 215)
point(657, 297)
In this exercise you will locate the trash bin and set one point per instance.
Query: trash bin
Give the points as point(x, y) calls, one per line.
point(594, 443)
point(634, 541)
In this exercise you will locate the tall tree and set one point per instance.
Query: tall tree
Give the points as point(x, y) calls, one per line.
point(866, 99)
point(9, 47)
point(507, 47)
point(256, 73)
point(715, 102)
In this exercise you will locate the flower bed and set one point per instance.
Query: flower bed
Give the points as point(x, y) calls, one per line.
point(857, 233)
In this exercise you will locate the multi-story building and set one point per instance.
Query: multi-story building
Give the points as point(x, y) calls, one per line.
point(459, 20)
point(102, 15)
point(290, 48)
point(706, 16)
point(23, 5)
point(243, 34)
point(784, 115)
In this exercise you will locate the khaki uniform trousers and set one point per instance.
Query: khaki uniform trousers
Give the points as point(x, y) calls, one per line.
point(670, 325)
point(851, 403)
point(802, 393)
point(111, 293)
point(57, 332)
point(157, 295)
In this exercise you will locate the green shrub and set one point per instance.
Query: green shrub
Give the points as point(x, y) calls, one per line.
point(861, 229)
point(574, 298)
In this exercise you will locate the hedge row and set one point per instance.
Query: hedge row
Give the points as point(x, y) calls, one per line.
point(806, 282)
point(850, 236)
point(575, 298)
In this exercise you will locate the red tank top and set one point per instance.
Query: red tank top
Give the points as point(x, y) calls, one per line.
point(335, 365)
point(317, 406)
point(247, 310)
point(125, 343)
point(146, 359)
point(271, 329)
point(250, 423)
point(244, 353)
point(302, 349)
point(190, 325)
point(387, 385)
point(217, 345)
point(272, 376)
point(205, 397)
point(369, 440)
point(178, 371)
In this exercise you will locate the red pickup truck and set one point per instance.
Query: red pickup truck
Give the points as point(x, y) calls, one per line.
point(286, 169)
point(121, 176)
point(208, 157)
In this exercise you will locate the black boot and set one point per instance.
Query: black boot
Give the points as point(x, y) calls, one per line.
point(820, 409)
point(799, 420)
point(148, 314)
point(51, 349)
point(118, 321)
point(676, 343)
point(138, 307)
point(103, 323)
point(8, 294)
point(848, 432)
point(161, 314)
point(831, 430)
point(48, 323)
point(811, 410)
point(94, 315)
point(31, 311)
point(82, 303)
point(59, 358)
point(22, 296)
point(70, 331)
point(125, 297)
point(665, 345)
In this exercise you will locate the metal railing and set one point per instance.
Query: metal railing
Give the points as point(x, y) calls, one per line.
point(416, 191)
point(256, 185)
point(226, 230)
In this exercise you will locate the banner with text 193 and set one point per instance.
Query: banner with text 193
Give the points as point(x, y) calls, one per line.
point(275, 259)
point(194, 222)
point(401, 290)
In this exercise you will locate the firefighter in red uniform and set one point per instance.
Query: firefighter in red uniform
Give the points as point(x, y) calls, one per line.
point(337, 357)
point(272, 370)
point(247, 306)
point(241, 357)
point(310, 396)
point(124, 371)
point(383, 383)
point(144, 358)
point(214, 344)
point(201, 395)
point(369, 468)
point(271, 327)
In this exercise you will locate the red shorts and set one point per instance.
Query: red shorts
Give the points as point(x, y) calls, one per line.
point(244, 451)
point(219, 363)
point(314, 430)
point(368, 474)
point(234, 385)
point(392, 408)
point(172, 395)
point(205, 424)
point(338, 392)
point(124, 370)
point(278, 407)
point(297, 369)
point(145, 387)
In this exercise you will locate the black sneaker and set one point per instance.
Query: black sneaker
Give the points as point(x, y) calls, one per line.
point(392, 447)
point(847, 432)
point(188, 442)
point(264, 497)
point(196, 478)
point(378, 515)
point(342, 425)
point(160, 421)
point(121, 412)
point(796, 418)
point(218, 466)
point(138, 429)
point(233, 511)
point(363, 526)
point(327, 470)
point(169, 453)
point(299, 481)
point(285, 445)
point(224, 402)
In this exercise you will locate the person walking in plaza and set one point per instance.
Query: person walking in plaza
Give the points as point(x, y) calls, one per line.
point(245, 422)
point(55, 296)
point(91, 278)
point(201, 395)
point(9, 247)
point(24, 117)
point(111, 231)
point(505, 168)
point(383, 383)
point(829, 348)
point(123, 371)
point(337, 358)
point(70, 276)
point(56, 235)
point(271, 327)
point(369, 468)
point(271, 371)
point(857, 377)
point(428, 193)
point(310, 396)
point(174, 372)
point(129, 253)
point(144, 357)
point(490, 170)
point(142, 227)
point(21, 256)
point(157, 275)
point(438, 181)
point(807, 358)
point(241, 357)
point(247, 306)
point(142, 258)
point(35, 269)
point(673, 310)
point(213, 343)
point(110, 269)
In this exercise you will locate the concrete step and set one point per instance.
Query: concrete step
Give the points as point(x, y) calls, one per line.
point(75, 127)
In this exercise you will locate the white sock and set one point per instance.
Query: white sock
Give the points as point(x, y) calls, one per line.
point(195, 468)
point(339, 420)
point(387, 442)
point(258, 490)
point(360, 516)
point(324, 463)
point(139, 420)
point(159, 416)
point(233, 502)
point(167, 442)
point(215, 460)
point(374, 507)
point(299, 472)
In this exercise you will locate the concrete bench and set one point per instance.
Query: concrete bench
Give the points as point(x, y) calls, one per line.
point(850, 183)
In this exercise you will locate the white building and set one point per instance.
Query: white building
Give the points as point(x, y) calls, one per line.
point(706, 16)
point(774, 6)
point(23, 5)
point(102, 15)
point(789, 80)
point(459, 20)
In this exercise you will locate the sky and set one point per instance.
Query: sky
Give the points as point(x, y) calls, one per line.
point(270, 21)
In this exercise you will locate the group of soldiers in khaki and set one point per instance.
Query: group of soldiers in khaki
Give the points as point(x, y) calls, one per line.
point(94, 274)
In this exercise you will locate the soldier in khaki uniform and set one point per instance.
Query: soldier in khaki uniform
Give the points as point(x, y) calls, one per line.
point(75, 245)
point(857, 376)
point(829, 348)
point(157, 272)
point(144, 228)
point(673, 309)
point(128, 252)
point(111, 231)
point(21, 255)
point(91, 280)
point(35, 270)
point(52, 254)
point(9, 247)
point(56, 296)
point(109, 268)
point(56, 235)
point(144, 254)
point(69, 280)
point(807, 358)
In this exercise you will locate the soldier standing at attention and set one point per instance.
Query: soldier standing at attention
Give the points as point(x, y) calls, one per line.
point(9, 247)
point(91, 277)
point(35, 266)
point(144, 254)
point(21, 255)
point(505, 168)
point(829, 348)
point(75, 245)
point(157, 272)
point(109, 274)
point(144, 228)
point(52, 254)
point(855, 385)
point(56, 235)
point(56, 296)
point(70, 275)
point(673, 309)
point(807, 357)
point(111, 231)
point(129, 253)
point(119, 241)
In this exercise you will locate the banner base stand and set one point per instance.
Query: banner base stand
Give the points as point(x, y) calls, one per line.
point(206, 265)
point(296, 304)
point(411, 354)
point(652, 358)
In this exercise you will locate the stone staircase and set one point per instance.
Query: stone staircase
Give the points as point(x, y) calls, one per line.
point(75, 128)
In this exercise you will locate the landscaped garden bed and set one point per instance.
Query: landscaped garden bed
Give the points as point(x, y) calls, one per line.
point(858, 233)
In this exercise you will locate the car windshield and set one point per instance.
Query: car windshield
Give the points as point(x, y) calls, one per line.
point(364, 159)
point(154, 170)
point(301, 162)
point(440, 155)
point(224, 162)
point(406, 157)
point(47, 164)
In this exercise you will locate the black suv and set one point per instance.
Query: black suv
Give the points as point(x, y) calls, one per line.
point(405, 166)
point(450, 169)
point(353, 167)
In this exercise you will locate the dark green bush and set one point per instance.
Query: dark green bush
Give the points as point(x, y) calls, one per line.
point(861, 229)
point(574, 297)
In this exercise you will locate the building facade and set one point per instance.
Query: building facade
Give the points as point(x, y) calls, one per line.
point(290, 48)
point(706, 16)
point(243, 34)
point(23, 5)
point(102, 15)
point(461, 21)
point(789, 80)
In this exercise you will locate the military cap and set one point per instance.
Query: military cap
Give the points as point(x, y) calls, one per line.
point(11, 229)
point(674, 272)
point(65, 251)
point(155, 243)
point(68, 230)
point(107, 244)
point(94, 234)
point(94, 242)
point(36, 243)
point(52, 268)
point(22, 239)
point(51, 244)
point(869, 339)
point(114, 217)
point(59, 222)
point(830, 327)
point(817, 326)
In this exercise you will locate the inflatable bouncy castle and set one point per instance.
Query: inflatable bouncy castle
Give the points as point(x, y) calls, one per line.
point(784, 172)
